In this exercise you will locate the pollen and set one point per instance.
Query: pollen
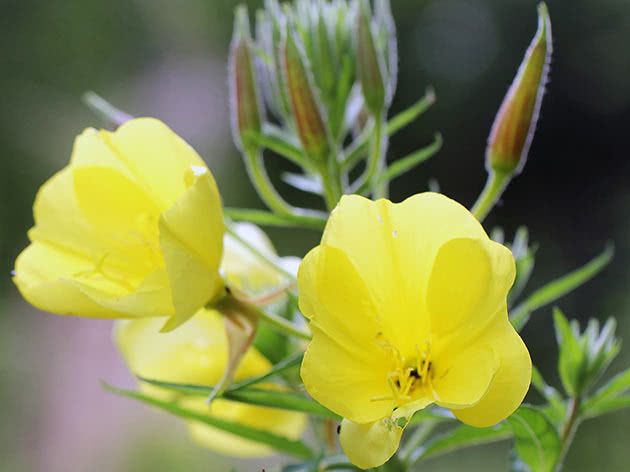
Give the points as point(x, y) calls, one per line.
point(409, 376)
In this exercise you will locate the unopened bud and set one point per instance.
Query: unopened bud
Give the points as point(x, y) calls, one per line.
point(369, 64)
point(306, 111)
point(245, 108)
point(515, 123)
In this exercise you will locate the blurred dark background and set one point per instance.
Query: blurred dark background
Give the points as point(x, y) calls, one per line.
point(168, 60)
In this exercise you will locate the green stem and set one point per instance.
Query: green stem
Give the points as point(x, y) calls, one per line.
point(569, 429)
point(278, 322)
point(374, 159)
point(381, 186)
point(258, 253)
point(329, 172)
point(262, 183)
point(495, 185)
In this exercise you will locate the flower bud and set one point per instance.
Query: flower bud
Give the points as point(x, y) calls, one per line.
point(306, 111)
point(584, 357)
point(369, 64)
point(245, 108)
point(514, 125)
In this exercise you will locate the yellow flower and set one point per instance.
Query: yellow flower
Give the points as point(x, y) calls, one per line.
point(132, 227)
point(197, 353)
point(407, 305)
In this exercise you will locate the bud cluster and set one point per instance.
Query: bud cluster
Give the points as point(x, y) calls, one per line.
point(584, 357)
point(320, 68)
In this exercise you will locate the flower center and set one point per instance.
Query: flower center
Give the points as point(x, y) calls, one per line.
point(409, 376)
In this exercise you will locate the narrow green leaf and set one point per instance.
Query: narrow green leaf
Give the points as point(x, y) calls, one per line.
point(405, 117)
point(312, 220)
point(277, 369)
point(608, 406)
point(279, 443)
point(537, 442)
point(400, 166)
point(280, 400)
point(277, 144)
point(559, 287)
point(359, 148)
point(570, 355)
point(254, 396)
point(460, 437)
point(616, 386)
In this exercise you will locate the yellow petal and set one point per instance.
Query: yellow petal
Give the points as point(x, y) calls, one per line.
point(196, 353)
point(343, 368)
point(464, 379)
point(346, 382)
point(109, 201)
point(469, 283)
point(60, 281)
point(92, 149)
point(155, 155)
point(191, 239)
point(372, 444)
point(512, 379)
point(245, 270)
point(393, 247)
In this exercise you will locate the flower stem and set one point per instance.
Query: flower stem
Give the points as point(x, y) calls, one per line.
point(495, 185)
point(569, 429)
point(374, 159)
point(271, 319)
point(262, 183)
point(330, 182)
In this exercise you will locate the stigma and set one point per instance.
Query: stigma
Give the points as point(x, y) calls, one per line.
point(409, 377)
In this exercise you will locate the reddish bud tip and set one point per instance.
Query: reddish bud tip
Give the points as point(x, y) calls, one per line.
point(245, 108)
point(306, 111)
point(515, 123)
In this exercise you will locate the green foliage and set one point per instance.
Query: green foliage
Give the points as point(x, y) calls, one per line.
point(405, 164)
point(279, 443)
point(583, 357)
point(559, 287)
point(460, 437)
point(610, 397)
point(537, 443)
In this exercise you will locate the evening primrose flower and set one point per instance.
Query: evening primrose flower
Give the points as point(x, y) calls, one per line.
point(407, 305)
point(197, 353)
point(132, 227)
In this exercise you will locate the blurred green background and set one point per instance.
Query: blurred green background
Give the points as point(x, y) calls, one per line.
point(168, 59)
